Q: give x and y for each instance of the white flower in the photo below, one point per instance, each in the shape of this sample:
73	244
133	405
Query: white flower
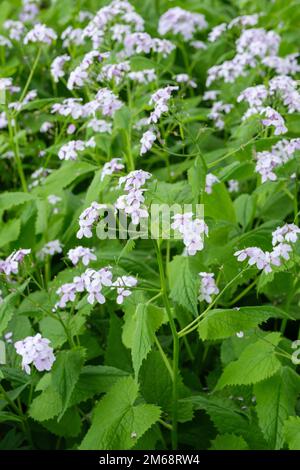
40	33
35	350
56	68
83	253
233	186
182	22
273	118
147	140
286	233
88	218
123	285
192	232
11	264
46	126
208	287
210	180
99	125
51	248
114	166
185	78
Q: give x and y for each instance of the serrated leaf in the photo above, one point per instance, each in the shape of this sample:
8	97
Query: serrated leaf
222	323
65	375
256	363
184	284
292	432
275	402
139	331
9	200
10	231
118	423
95	380
68	426
7	306
229	442
47	405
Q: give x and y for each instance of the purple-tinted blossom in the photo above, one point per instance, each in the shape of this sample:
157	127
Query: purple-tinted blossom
35	350
57	66
210	180
11	264
181	22
50	249
123	286
88	218
208	287
86	255
113	166
40	33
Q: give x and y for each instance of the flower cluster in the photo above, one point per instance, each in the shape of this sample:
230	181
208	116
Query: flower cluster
88	218
11	264
123	285
192	232
40	33
282	238
114	72
35	350
79	76
251	46
239	21
143	76
280	153
114	166
181	22
92	283
208	287
57	66
70	150
50	249
132	202
210	180
217	112
86	255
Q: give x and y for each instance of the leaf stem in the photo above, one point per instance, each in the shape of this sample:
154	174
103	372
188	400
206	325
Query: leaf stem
175	337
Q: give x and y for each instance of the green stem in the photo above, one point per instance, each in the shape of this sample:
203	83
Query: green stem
194	324
13	140
175	337
25	89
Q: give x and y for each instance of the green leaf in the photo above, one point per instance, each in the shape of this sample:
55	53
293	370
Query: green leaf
65	175
116	355
275	402
256	363
68	426
184	283
222	323
94	380
7	306
292	432
229	442
140	331
218	204
118	423
47	405
196	178
65	374
245	209
10	231
54	331
9	200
